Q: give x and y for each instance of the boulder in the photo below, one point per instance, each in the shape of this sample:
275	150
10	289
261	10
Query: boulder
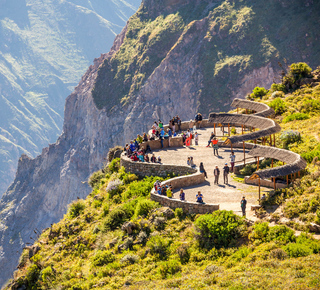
128	227
314	228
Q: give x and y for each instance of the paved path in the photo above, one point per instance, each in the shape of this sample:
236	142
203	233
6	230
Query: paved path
229	195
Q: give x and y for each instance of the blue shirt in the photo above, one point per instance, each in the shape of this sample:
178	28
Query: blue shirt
132	147
170	133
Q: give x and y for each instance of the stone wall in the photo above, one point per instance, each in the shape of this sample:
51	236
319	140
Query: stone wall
188	207
153	169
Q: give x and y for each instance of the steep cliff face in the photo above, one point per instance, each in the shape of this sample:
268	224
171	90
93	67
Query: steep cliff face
173	57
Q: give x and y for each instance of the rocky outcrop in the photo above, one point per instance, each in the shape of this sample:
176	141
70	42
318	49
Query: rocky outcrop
199	67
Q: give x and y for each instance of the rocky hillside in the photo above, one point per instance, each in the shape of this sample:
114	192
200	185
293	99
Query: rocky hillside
173	57
45	48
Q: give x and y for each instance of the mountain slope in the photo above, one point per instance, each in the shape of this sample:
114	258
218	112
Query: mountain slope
45	48
190	62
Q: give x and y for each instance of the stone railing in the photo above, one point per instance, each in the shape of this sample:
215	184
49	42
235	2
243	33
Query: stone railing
187	206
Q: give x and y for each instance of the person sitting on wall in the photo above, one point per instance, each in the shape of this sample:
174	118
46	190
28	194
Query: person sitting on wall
145	137
134	157
159	159
160	124
173	122
141	157
182	195
201	169
153	159
132	146
156	185
169	192
164	191
139	139
199	197
136	143
159	189
146	158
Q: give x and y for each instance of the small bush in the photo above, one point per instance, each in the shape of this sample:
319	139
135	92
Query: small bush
278	254
248	169
310	106
219	229
32	276
129	259
114	188
76	208
260	232
114	219
295	116
114	165
169	268
297	250
290	137
258	92
300	70
47	274
158	246
102	258
183	252
278	105
281	234
95	178
144	207
179	213
278	87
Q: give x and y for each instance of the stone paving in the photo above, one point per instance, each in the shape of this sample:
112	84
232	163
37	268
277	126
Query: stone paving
228	196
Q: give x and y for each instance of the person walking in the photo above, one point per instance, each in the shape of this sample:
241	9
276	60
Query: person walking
182	195
225	173
232	160
243	206
201	169
216	173
210	139
215	146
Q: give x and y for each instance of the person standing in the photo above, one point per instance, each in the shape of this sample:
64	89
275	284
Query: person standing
225	173
182	195
243	206
232	160
215	146
216	173
170	136
196	138
210	139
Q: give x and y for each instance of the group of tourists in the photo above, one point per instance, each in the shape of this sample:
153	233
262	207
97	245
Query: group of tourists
165	190
136	152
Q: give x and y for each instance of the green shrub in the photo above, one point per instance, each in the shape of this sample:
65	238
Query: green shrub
310	106
295	116
179	213
76	208
129	259
248	169
258	92
144	207
183	252
114	165
158	246
169	268
233	130
115	187
102	258
278	254
114	219
95	178
297	250
32	276
219	229
278	105
309	156
300	70
281	234
47	274
278	87
289	137
260	232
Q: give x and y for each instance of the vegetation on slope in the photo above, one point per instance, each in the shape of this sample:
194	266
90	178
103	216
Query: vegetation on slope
119	238
296	101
